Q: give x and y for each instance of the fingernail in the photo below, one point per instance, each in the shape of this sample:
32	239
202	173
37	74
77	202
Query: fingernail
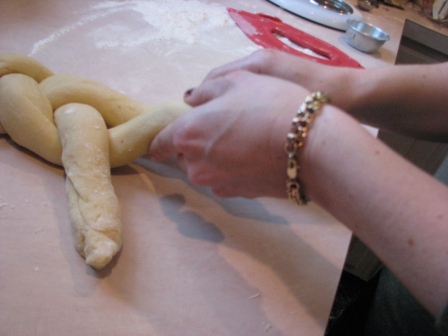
188	93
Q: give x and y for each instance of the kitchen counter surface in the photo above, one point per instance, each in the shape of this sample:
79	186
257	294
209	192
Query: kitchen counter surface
192	264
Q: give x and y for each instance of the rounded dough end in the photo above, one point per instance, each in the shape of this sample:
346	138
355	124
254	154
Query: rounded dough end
101	250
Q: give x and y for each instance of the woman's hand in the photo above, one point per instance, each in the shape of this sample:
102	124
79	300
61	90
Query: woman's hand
232	140
333	80
273	63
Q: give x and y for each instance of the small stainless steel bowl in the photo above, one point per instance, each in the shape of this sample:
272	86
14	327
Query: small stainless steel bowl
366	5
365	37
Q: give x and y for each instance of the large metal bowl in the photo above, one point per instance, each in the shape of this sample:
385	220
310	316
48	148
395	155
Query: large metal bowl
365	37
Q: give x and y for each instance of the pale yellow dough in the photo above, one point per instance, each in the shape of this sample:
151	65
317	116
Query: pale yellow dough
86	127
14	63
93	205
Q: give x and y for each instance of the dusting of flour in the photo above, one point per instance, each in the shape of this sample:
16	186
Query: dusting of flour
4	204
158	46
186	22
39	45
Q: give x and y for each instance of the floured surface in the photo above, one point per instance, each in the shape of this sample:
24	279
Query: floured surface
191	264
152	50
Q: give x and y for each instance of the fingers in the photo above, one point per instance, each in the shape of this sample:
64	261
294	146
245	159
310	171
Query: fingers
266	62
245	63
166	142
217	141
273	63
162	146
207	91
256	62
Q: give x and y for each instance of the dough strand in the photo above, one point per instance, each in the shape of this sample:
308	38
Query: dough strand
93	206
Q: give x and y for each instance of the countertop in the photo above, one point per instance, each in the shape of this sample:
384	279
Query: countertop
192	264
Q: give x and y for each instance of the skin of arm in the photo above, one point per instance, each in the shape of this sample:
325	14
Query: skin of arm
392	98
399	211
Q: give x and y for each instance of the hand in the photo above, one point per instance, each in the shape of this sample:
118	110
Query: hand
273	63
232	140
311	75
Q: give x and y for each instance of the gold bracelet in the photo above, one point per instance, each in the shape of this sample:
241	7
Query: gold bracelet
294	141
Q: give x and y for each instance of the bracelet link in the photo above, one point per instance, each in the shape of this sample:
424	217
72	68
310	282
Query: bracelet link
292	168
294	141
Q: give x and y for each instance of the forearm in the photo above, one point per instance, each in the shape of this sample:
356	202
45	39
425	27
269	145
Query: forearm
411	100
397	210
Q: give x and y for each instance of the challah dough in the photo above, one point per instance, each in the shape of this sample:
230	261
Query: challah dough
87	128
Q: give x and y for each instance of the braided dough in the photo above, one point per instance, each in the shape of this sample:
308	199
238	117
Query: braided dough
87	128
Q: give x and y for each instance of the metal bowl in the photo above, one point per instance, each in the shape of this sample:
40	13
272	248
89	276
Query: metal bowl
366	5
365	37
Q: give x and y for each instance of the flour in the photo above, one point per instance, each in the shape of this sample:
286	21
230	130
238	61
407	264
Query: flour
141	46
38	46
184	21
112	24
4	204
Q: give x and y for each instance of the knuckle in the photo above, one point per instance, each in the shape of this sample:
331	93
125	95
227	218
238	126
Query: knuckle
185	138
265	58
213	74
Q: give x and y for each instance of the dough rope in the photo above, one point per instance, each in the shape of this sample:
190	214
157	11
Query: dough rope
87	128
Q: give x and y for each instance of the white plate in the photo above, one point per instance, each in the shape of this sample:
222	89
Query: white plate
314	11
